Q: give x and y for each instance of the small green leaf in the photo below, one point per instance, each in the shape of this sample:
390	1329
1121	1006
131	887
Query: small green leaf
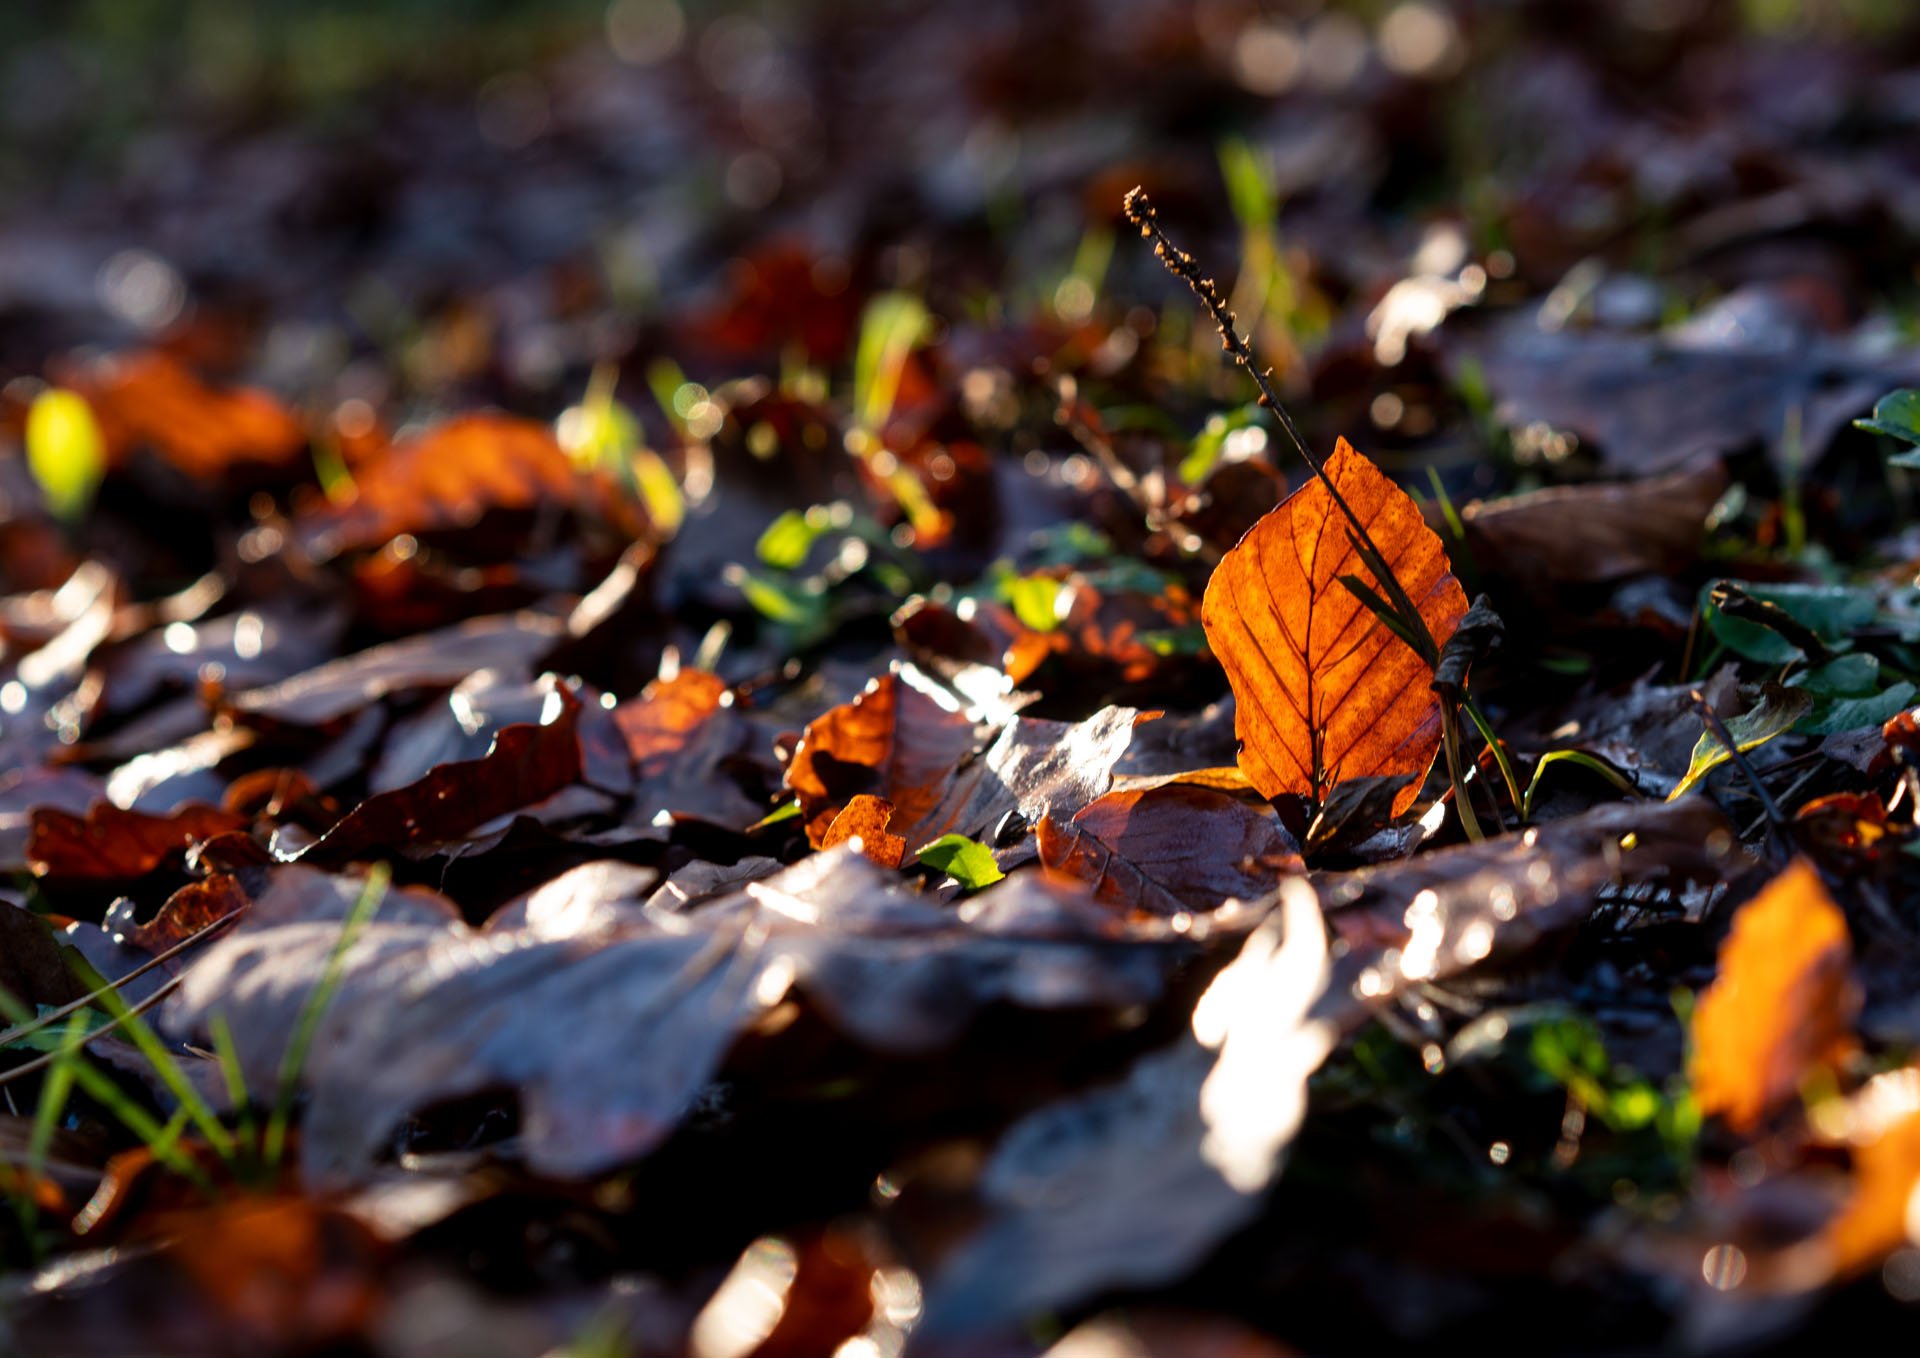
1832	716
894	322
790	537
967	861
666	505
1847	676
65	451
777	601
1775	715
787	812
1035	600
1897	415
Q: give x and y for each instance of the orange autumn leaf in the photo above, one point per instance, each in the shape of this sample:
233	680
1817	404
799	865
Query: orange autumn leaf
663	721
864	823
1781	1005
446	478
1324	691
892	741
1874	1221
152	399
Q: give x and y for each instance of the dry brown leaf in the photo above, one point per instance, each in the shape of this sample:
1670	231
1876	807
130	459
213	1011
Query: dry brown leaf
863	823
1171	849
1599	531
1781	1005
1324	691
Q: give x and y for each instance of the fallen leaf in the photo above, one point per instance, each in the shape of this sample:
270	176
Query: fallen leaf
1782	1002
153	400
1324	691
1603	530
897	740
1134	1183
1778	710
1878	1215
526	764
115	847
608	1033
1439	913
1171	849
863	824
447	478
510	642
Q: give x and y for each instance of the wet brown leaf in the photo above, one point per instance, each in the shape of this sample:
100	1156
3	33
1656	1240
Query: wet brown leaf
1324	691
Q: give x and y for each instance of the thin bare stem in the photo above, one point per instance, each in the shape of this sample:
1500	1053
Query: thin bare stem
12	1035
1140	211
1775	819
126	1016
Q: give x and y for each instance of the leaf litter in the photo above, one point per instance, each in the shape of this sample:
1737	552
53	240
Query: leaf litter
926	813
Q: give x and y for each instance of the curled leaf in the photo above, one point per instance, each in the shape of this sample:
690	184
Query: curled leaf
863	824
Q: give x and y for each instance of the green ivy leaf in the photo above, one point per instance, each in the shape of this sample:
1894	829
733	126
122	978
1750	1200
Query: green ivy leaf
1850	714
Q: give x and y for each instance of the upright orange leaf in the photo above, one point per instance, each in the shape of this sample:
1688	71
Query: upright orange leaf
1781	1005
1324	691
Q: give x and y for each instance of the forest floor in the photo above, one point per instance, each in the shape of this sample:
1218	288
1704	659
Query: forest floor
661	695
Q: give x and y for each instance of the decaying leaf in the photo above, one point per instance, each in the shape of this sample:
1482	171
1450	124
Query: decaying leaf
1781	1005
1171	849
1774	715
1324	690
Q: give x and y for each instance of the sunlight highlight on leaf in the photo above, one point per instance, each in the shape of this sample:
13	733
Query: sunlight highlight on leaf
1325	692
